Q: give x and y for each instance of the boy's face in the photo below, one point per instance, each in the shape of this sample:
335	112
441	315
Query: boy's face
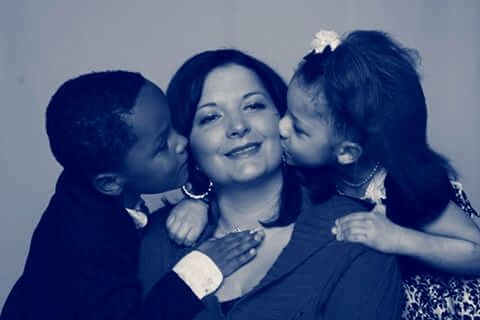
307	136
158	160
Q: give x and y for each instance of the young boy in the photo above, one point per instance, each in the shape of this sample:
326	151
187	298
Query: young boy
111	133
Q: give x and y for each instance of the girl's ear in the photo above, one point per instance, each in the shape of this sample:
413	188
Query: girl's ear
348	152
110	184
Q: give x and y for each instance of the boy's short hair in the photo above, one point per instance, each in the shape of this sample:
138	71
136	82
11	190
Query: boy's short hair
85	121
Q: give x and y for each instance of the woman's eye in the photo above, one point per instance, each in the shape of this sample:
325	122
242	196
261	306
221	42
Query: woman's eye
208	118
255	106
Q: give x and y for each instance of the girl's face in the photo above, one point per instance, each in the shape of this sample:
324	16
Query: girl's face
235	137
307	137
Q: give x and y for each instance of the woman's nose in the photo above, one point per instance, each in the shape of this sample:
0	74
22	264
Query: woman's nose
284	127
237	127
181	143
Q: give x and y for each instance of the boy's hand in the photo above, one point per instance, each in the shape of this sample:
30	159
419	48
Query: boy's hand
372	229
233	250
187	221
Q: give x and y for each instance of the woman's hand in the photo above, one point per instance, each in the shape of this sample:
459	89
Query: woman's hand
372	229
187	221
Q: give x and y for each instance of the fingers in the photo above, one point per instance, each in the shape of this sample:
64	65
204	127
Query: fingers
249	242
356	216
237	262
178	233
191	237
233	250
238	249
354	230
186	221
380	209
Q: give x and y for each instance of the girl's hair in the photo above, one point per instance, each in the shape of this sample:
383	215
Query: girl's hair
184	92
373	92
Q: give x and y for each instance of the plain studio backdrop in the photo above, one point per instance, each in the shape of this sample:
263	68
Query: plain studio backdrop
43	43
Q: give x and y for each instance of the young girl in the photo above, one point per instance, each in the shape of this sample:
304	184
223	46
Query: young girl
356	125
356	107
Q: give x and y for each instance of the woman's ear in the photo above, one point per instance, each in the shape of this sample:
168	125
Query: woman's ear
348	152
110	184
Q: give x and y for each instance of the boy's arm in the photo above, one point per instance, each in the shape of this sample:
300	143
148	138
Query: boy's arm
371	288
107	287
107	284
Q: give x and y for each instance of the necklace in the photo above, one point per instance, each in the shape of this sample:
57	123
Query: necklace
236	228
364	180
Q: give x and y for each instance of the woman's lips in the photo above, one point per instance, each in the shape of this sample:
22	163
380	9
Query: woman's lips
244	151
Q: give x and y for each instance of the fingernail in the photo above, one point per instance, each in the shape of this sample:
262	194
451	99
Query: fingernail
256	230
258	236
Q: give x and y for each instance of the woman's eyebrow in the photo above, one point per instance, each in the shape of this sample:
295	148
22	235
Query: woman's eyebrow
208	104
253	93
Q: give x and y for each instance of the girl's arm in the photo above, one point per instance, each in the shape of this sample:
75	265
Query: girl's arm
450	243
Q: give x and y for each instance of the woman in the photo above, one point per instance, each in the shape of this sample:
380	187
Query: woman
229	105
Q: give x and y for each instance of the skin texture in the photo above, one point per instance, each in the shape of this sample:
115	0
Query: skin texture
234	138
157	160
308	139
450	242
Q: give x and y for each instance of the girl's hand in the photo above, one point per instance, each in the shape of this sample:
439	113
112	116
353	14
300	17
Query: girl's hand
187	221
372	229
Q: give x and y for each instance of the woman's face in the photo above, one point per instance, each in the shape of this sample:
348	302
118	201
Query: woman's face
235	137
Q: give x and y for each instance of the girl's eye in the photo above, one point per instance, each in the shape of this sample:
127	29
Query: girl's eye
255	106
208	118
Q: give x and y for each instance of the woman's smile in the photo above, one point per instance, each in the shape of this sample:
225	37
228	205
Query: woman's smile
244	151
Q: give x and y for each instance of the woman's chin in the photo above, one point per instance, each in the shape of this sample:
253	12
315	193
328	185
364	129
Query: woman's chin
249	172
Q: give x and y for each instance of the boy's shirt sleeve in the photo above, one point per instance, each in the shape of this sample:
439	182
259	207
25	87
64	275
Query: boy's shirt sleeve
107	287
199	272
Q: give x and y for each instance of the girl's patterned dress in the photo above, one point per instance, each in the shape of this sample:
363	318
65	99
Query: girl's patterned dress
436	295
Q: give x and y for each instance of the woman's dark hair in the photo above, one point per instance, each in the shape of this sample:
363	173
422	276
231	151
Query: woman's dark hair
184	92
372	88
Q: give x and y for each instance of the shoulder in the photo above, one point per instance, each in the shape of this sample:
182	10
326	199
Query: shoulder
335	207
157	252
79	229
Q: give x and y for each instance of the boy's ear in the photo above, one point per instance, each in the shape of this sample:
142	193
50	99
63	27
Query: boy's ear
348	152
109	183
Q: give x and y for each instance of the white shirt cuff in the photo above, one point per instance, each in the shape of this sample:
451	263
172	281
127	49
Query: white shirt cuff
199	272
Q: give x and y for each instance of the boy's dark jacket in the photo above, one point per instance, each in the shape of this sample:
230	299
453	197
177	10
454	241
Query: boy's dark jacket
83	264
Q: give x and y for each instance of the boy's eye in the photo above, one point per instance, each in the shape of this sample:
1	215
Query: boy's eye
299	130
208	118
161	146
255	106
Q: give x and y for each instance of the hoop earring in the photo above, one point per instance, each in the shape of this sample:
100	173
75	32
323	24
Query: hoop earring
202	196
